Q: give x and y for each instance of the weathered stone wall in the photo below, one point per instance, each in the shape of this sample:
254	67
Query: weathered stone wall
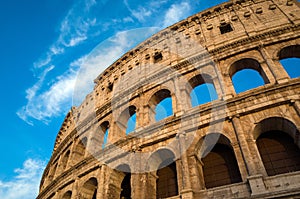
256	33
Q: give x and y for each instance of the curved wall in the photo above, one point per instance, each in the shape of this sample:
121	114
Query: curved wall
95	157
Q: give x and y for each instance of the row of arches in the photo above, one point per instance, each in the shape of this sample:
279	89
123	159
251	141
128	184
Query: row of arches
277	143
201	89
245	74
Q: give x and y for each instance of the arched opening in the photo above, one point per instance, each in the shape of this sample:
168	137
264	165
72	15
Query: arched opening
79	151
290	60
64	161
67	195
219	163
220	167
89	189
278	152
202	90
127	120
52	172
125	174
126	187
247	74
163	163
131	124
104	128
161	105
166	184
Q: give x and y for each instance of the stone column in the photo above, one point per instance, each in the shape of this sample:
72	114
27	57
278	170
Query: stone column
186	188
240	160
184	99
175	110
196	173
137	188
242	143
277	70
218	82
218	87
75	189
260	169
149	185
101	181
224	81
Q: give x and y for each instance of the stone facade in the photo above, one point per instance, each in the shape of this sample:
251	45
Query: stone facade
208	47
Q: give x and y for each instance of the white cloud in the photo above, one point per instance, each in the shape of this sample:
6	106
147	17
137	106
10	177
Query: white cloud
143	9
25	184
74	29
176	12
141	13
128	19
52	102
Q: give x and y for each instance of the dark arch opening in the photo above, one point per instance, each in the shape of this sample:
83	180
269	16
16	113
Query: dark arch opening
220	167
289	58
247	74
52	172
278	152
79	151
163	163
65	160
166	183
89	189
104	128
126	182
67	195
202	90
161	105
126	187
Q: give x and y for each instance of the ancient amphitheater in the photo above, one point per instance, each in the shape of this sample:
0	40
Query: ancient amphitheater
233	145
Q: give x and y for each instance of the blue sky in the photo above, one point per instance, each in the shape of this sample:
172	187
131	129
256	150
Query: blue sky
43	44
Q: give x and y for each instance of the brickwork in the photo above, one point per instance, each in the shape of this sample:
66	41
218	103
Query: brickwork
208	47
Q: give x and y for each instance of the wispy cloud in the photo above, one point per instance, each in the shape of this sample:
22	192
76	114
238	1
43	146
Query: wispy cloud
74	30
52	94
141	10
176	12
25	184
43	105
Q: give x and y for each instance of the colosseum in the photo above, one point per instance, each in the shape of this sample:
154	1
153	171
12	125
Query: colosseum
145	133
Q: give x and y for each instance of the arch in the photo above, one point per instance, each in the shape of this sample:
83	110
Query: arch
289	52
158	159
52	172
65	160
125	184
89	189
244	70
289	58
79	151
166	183
104	131
278	152
275	124
201	90
219	162
67	195
127	120
160	105
278	145
163	162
